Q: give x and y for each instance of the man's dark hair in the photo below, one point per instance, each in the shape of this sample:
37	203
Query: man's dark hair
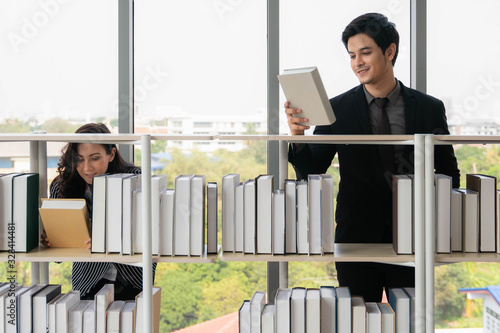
378	27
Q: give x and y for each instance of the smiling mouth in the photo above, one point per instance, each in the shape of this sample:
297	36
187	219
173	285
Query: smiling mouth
362	71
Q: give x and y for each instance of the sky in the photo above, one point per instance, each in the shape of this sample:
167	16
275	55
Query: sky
60	57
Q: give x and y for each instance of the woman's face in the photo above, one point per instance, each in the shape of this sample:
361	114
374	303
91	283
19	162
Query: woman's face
92	160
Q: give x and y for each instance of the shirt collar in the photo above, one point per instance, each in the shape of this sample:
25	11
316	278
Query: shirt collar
393	96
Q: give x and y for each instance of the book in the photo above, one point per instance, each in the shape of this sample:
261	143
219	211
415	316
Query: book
127	317
89	318
358	314
6	184
102	299
25	195
402	217
278	222
63	305
51	313
470	215
238	218
244	317
212	217
388	318
113	316
158	184
130	184
373	318
197	223
290	216
328	308
182	215
167	222
40	301
11	307
264	190
327	214
66	222
249	216
304	90
410	291
282	308
302	218
442	185
400	303
314	204
256	307
313	311
26	309
228	183
344	310
114	212
267	318
137	221
457	220
485	186
98	244
75	316
298	310
139	314
498	221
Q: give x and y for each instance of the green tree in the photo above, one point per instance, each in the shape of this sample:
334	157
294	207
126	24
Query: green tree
59	125
15	126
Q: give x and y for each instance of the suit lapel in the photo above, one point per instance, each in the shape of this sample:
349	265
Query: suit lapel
361	110
410	109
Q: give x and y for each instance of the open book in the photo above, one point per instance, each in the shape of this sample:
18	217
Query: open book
66	222
304	90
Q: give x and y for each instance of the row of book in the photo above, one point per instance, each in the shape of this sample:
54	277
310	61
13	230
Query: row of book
467	220
43	308
327	309
298	219
177	215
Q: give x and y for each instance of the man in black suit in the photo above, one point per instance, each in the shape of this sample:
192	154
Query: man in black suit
364	201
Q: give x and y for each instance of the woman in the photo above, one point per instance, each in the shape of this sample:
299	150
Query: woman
79	163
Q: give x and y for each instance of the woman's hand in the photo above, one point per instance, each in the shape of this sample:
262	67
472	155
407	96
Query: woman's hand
44	239
89	242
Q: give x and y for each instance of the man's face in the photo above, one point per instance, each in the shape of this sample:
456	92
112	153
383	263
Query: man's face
368	62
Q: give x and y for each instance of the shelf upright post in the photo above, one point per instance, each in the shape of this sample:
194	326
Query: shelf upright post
429	231
419	185
283	175
147	277
42	171
35	167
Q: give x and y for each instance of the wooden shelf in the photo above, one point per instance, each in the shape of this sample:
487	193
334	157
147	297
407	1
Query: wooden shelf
343	252
467	257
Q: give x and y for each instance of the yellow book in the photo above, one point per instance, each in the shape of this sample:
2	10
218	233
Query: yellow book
66	222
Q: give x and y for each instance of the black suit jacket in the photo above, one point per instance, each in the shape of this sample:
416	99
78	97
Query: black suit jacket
364	200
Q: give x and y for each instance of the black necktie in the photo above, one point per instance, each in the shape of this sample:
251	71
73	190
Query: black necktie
383	127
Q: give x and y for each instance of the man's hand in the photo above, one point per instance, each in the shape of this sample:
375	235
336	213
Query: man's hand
293	118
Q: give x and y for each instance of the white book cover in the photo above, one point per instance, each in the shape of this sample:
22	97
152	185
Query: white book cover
457	225
158	184
298	310
238	218
402	227
114	212
40	301
98	244
328	309
314	203
6	184
442	185
388	318
62	310
130	184
256	307
282	302
137	221
470	213
127	317
25	308
11	307
113	316
89	318
411	293
212	217
228	183
290	216
102	299
264	188
313	311
278	222
139	313
373	318
3	305
244	317
267	319
498	221
25	216
344	310
75	316
327	214
182	215
358	314
486	188
249	218
400	303
302	218
197	225
167	222
51	314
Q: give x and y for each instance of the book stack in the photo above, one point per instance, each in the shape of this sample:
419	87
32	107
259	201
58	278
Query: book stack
259	220
43	308
178	216
327	309
467	220
19	212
